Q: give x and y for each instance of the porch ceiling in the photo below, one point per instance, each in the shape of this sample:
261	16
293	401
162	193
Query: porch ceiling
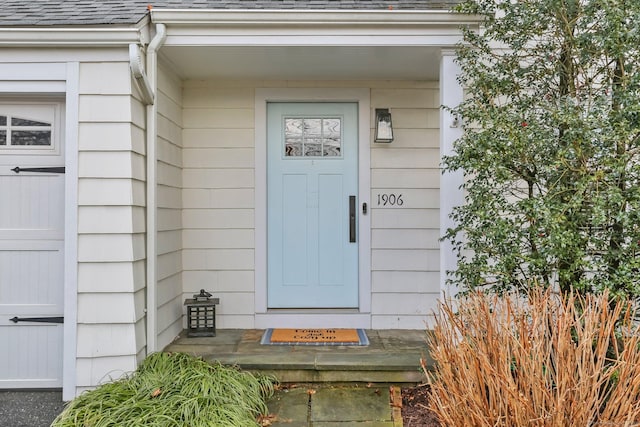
304	62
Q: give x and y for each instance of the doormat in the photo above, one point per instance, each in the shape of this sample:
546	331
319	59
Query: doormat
314	337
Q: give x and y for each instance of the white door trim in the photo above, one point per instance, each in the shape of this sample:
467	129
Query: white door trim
72	101
360	318
451	192
43	81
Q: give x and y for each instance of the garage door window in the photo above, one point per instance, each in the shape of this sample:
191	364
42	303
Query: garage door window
30	129
22	131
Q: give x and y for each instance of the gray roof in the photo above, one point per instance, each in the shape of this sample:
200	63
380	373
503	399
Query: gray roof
100	12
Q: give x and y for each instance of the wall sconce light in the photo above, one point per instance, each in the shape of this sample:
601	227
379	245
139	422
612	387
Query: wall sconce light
384	129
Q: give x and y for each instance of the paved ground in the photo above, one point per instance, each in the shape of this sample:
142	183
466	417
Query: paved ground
333	405
29	408
299	405
348	385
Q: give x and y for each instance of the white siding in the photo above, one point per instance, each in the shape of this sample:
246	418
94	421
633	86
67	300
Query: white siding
218	199
169	206
111	225
404	239
104	369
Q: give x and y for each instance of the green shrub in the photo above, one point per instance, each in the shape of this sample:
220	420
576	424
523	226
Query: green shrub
540	360
173	389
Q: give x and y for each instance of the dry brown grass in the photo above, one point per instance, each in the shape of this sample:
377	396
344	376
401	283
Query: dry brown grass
536	361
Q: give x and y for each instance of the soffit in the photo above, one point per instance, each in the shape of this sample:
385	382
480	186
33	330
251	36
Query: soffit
304	62
314	45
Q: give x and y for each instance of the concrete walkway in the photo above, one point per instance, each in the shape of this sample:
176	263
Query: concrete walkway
298	405
325	386
335	405
322	386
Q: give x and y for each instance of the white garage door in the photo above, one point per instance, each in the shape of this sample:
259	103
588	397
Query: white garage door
31	245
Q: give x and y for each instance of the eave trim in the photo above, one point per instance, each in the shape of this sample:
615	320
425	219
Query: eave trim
287	18
69	37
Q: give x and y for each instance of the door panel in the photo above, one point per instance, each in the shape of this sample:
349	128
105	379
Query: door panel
331	238
31	282
31	250
312	170
32	356
294	230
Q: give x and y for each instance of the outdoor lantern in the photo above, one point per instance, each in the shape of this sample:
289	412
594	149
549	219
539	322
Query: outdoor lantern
201	315
384	129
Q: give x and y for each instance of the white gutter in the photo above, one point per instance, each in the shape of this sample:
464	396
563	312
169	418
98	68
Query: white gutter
152	247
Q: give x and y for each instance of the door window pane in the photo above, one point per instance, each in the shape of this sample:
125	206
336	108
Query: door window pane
293	148
312	128
17	121
31	137
3	120
312	150
331	146
312	137
3	137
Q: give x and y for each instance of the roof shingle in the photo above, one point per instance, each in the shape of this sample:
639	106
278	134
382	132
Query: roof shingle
103	12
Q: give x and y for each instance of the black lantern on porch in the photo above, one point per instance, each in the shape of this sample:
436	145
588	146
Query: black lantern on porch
201	315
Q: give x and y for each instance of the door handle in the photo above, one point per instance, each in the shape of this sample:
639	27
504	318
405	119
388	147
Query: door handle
17	319
18	169
352	219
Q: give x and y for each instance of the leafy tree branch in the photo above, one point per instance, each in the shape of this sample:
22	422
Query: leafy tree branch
551	146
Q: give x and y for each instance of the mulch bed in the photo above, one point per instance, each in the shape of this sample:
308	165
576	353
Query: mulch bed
415	407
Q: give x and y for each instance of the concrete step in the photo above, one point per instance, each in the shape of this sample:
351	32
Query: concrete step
330	367
392	356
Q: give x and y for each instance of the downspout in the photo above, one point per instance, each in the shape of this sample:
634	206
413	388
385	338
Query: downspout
151	227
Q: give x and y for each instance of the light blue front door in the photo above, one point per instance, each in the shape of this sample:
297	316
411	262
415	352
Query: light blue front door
312	182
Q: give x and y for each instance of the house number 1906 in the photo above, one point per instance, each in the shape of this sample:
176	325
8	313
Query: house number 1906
390	199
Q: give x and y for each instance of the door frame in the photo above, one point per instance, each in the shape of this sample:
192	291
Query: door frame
58	82
313	318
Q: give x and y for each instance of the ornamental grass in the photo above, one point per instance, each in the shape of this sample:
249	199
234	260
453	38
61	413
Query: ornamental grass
540	360
173	389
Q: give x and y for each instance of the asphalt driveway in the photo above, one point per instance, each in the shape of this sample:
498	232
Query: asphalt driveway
29	408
